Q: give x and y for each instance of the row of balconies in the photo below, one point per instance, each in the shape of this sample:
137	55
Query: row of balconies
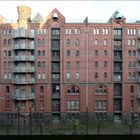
24	81
24	46
22	33
24	69
24	58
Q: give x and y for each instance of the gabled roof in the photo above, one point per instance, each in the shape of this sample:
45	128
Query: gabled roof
116	14
58	13
38	18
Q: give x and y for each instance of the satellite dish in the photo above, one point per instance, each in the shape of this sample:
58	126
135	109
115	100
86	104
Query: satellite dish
55	16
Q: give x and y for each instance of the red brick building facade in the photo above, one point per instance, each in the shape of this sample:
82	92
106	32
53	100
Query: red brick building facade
58	71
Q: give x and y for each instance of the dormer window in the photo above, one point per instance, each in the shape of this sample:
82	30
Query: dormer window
55	16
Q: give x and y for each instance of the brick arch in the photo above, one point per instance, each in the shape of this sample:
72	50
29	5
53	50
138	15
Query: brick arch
100	86
72	88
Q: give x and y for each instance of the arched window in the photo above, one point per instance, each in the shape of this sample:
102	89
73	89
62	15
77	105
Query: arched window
7	31
38	42
105	42
77	42
39	76
77	54
96	74
129	53
5	43
96	42
101	89
68	42
105	75
133	42
129	42
106	31
129	75
39	64
73	90
9	42
43	64
43	53
39	53
128	31
5	53
43	42
131	89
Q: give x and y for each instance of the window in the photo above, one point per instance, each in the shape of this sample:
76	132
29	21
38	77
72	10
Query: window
38	42
10	76
95	42
105	64
43	42
77	64
134	53
43	76
68	53
77	31
77	76
39	64
131	89
68	65
129	75
105	42
43	53
105	75
134	76
105	53
73	90
129	64
5	53
9	53
41	89
68	76
96	75
67	31
129	53
5	43
9	42
96	31
77	54
129	42
96	53
68	42
5	64
128	31
73	105
77	42
96	64
134	64
7	89
5	76
101	104
39	76
43	64
39	53
133	42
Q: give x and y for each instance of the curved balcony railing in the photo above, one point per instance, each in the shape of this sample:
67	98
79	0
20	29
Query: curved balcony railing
30	97
24	58
24	47
17	81
24	69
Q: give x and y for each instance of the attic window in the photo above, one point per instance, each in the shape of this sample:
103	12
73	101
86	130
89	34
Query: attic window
55	16
118	16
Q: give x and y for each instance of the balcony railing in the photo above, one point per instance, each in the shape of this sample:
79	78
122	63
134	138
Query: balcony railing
117	48
55	36
24	47
55	58
117	69
23	34
55	80
24	58
32	81
119	37
22	70
56	109
55	95
31	97
117	59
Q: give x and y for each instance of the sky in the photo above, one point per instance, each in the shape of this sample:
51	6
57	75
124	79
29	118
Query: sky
74	9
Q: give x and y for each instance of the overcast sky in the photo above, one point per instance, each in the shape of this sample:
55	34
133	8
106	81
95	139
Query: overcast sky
74	9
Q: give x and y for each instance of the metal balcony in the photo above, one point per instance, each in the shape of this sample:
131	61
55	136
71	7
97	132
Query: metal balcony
24	70
118	59
55	36
118	37
55	80
56	109
31	97
117	48
118	69
32	81
23	34
23	47
24	58
55	58
56	95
